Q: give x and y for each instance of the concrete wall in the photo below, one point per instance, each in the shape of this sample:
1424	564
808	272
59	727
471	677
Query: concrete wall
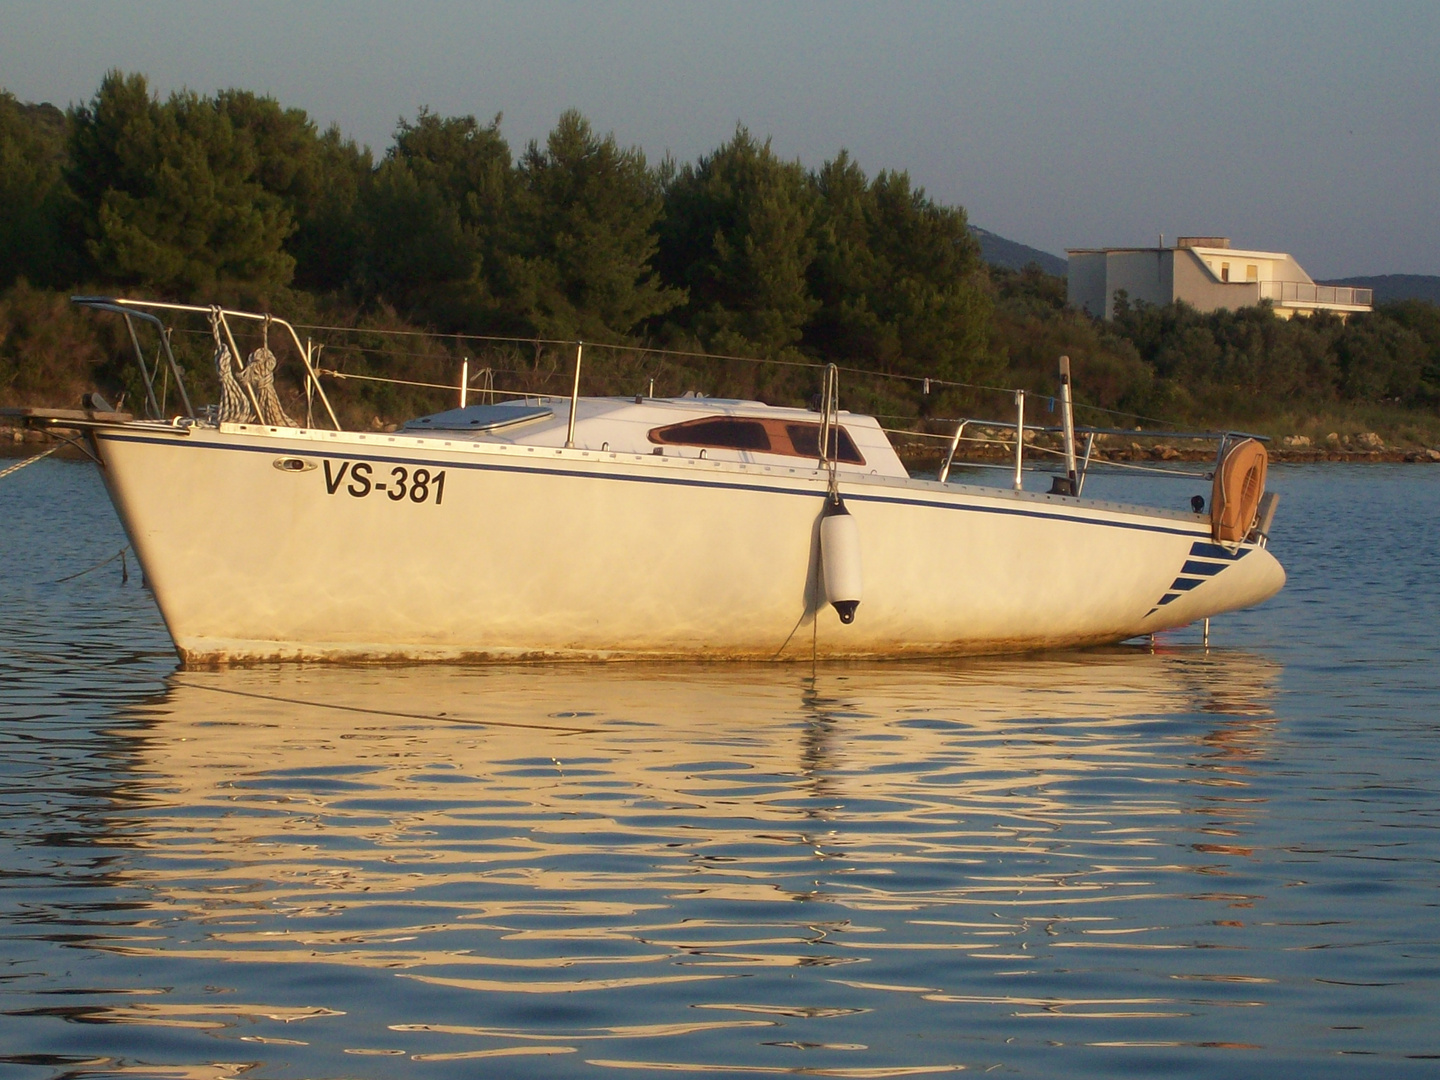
1269	265
1289	270
1202	290
1085	282
1095	276
1145	275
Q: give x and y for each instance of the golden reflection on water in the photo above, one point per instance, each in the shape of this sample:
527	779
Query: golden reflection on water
657	835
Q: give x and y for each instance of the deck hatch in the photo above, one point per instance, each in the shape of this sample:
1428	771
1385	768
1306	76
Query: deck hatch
481	418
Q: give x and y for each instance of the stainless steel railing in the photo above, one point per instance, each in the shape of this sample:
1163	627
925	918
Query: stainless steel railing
1305	292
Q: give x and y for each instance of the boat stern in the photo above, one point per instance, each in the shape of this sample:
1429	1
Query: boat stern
1215	579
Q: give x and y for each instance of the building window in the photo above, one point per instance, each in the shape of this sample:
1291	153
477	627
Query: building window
1252	273
1224	271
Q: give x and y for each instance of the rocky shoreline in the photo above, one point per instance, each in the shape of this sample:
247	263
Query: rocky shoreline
12	436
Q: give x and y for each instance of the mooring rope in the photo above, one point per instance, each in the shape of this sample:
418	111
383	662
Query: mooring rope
259	375
28	461
124	568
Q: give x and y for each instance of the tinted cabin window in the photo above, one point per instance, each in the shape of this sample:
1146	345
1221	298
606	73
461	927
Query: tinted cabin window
723	432
806	440
769	435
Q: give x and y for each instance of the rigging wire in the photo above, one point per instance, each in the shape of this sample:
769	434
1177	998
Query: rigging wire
344	375
532	342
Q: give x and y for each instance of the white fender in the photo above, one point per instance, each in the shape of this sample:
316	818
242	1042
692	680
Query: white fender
840	559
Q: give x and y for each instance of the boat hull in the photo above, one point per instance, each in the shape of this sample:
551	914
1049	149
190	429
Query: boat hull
268	544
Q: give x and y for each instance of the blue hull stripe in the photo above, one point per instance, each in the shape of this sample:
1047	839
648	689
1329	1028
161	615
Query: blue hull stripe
1203	569
1215	551
1198	569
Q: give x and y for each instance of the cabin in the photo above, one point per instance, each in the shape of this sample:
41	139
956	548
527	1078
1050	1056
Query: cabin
1206	273
690	426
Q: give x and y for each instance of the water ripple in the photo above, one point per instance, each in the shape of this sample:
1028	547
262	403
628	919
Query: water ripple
1189	861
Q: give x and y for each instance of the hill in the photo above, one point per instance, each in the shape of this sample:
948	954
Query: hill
1011	255
1390	287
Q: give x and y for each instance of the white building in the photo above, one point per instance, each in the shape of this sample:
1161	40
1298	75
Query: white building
1206	273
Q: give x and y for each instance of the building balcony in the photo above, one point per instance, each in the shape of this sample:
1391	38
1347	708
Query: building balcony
1308	296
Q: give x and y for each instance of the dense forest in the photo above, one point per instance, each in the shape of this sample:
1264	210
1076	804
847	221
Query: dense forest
234	198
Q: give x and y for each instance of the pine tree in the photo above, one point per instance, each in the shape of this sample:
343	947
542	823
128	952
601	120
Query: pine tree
435	222
415	250
317	177
898	277
327	239
33	244
171	196
586	228
736	235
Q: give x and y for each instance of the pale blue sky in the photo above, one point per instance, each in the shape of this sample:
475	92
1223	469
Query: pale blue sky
1309	128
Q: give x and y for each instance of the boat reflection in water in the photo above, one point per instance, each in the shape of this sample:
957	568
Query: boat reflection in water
753	868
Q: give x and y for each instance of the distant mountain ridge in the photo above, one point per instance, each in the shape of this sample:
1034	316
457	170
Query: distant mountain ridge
1012	255
1391	287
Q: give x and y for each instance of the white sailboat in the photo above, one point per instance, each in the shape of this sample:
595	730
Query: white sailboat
629	528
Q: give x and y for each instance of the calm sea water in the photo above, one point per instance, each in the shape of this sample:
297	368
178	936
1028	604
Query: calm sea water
1220	863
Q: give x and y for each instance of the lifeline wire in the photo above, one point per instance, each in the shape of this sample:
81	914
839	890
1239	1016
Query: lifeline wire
919	380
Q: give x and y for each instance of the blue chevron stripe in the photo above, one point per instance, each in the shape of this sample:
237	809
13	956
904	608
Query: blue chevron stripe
1205	561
